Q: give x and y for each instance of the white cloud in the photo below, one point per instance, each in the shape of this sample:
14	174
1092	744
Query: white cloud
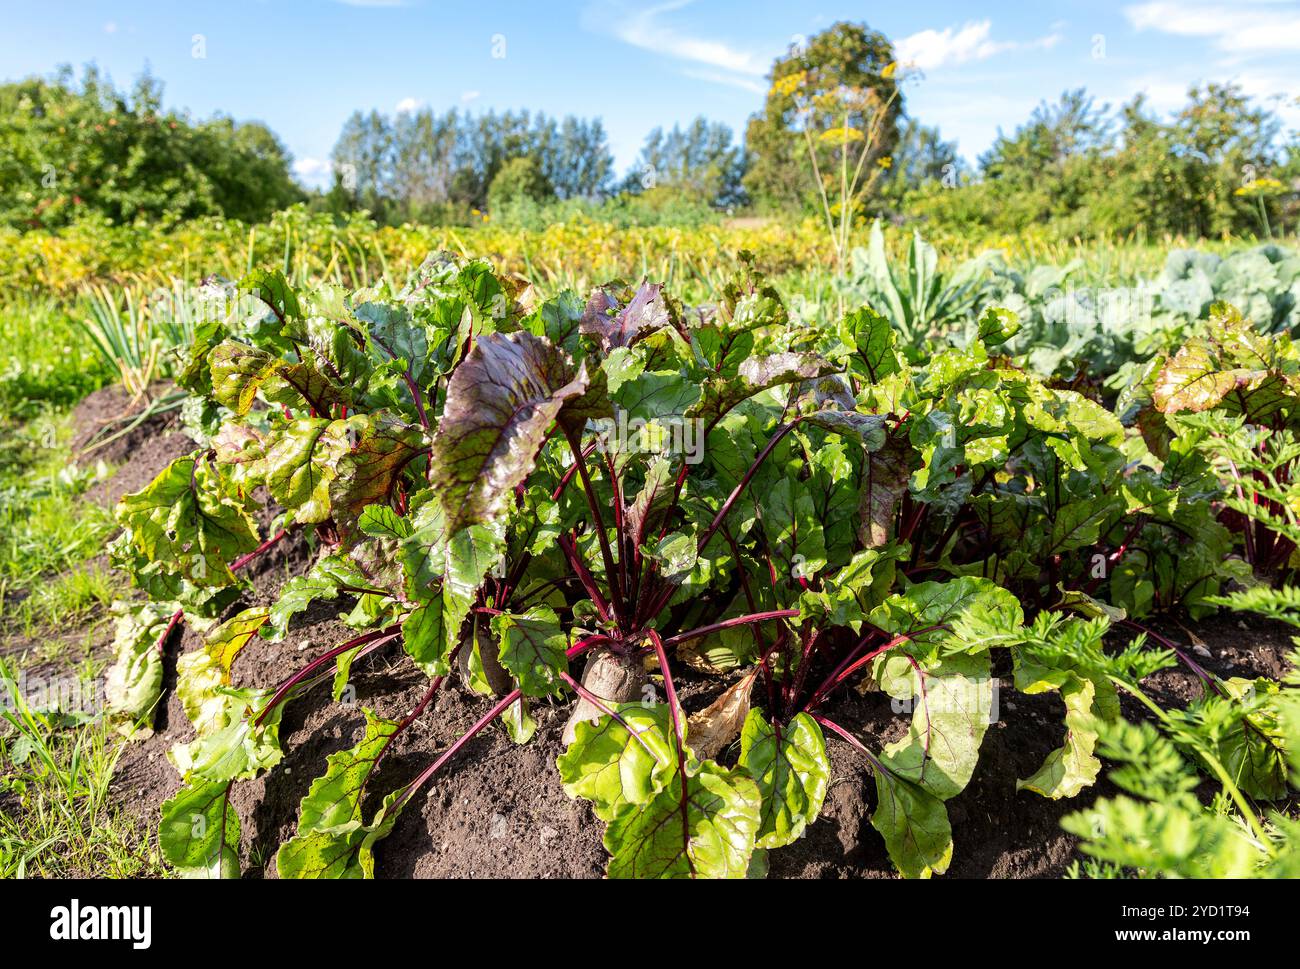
409	104
110	27
372	3
931	49
709	58
467	96
313	172
1235	28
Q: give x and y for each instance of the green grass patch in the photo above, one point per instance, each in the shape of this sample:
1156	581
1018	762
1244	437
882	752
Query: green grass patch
56	819
47	536
45	357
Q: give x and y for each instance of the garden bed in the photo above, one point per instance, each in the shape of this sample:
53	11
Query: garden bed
500	810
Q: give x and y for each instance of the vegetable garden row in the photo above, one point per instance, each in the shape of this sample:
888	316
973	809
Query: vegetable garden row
582	499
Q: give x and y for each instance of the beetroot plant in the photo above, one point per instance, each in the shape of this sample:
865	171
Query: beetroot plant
500	487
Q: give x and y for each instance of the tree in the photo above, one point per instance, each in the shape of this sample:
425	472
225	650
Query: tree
363	160
700	161
519	178
1072	127
1216	166
920	156
842	76
424	166
69	149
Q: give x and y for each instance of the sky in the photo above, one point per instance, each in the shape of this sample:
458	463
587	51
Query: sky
302	66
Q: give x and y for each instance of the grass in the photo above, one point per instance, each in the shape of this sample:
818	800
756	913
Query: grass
45	357
56	819
47	536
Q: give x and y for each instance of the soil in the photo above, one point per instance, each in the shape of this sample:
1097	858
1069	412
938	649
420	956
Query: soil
498	809
102	431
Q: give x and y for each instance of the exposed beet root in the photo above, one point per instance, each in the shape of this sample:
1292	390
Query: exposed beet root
615	678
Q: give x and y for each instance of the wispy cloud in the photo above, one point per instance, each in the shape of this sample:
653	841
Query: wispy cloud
710	59
1238	28
409	104
373	3
721	77
932	49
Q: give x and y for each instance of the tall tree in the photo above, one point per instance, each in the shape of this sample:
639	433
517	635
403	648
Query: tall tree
842	77
700	161
921	155
426	166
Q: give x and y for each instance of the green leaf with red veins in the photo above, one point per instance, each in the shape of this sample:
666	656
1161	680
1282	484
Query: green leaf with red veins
558	319
199	831
794	532
997	326
334	798
788	762
656	395
620	762
702	826
301	461
300	385
873	345
393	337
369	473
914	824
443	576
270	286
753	376
1251	374
532	649
645	513
191	521
951	701
342	851
501	401
237	746
220	649
238	373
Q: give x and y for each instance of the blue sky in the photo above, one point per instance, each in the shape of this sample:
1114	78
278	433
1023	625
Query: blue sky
303	65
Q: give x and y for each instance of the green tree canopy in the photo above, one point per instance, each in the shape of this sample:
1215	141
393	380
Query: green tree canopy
426	165
68	150
700	161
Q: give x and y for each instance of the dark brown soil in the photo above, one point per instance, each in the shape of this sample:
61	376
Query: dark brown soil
998	832
140	453
499	810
